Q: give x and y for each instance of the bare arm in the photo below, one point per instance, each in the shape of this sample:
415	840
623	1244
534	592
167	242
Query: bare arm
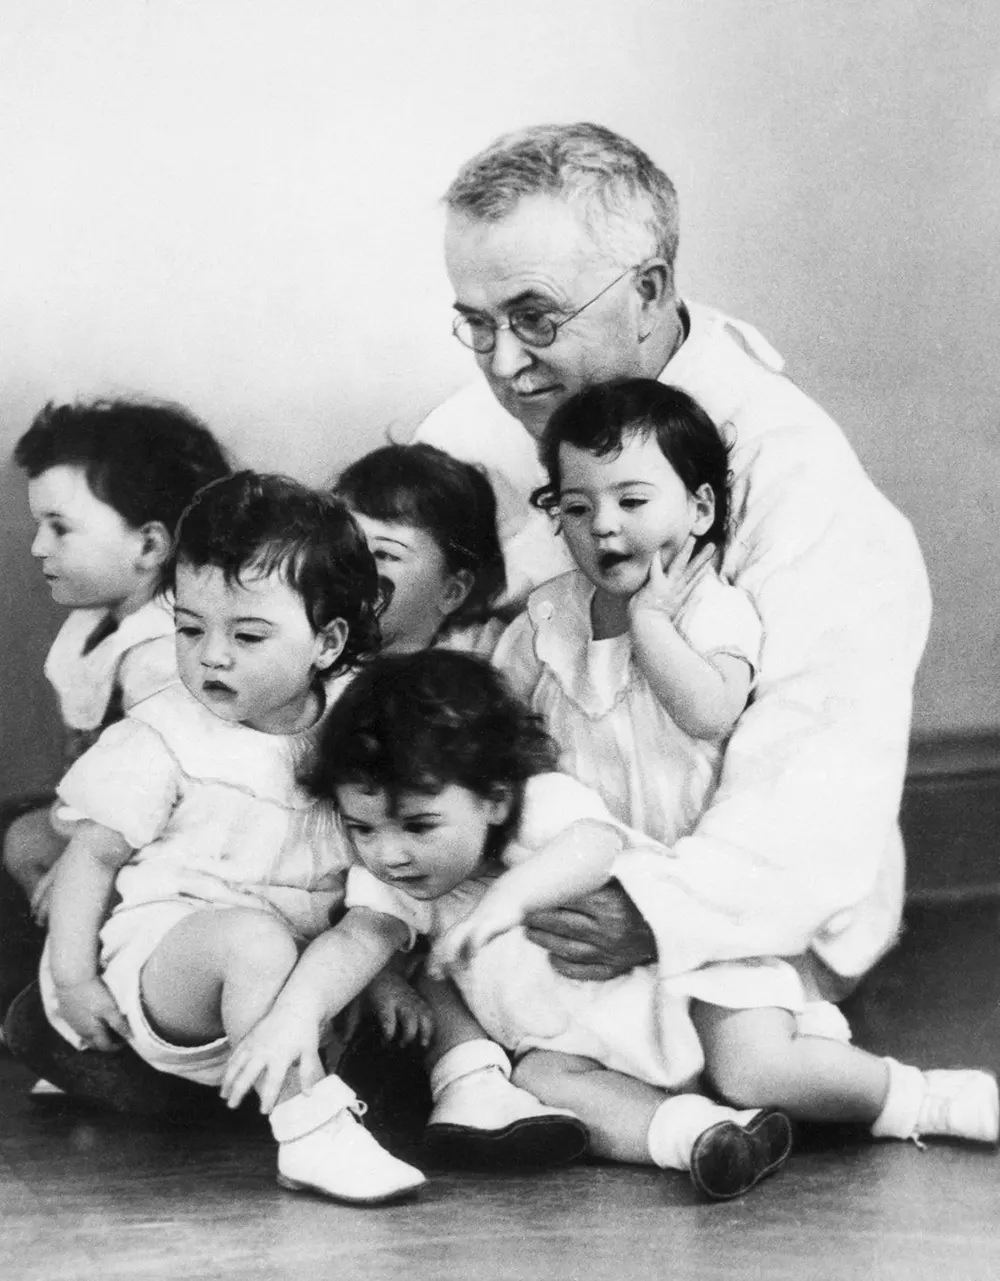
576	862
81	896
704	696
331	972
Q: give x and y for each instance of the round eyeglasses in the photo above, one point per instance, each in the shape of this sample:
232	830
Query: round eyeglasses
535	328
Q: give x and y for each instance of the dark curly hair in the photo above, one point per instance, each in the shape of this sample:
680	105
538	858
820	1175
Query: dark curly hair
421	722
451	500
146	459
251	523
602	418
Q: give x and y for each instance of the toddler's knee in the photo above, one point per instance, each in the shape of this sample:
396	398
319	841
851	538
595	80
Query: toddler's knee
540	1072
19	853
746	1081
255	939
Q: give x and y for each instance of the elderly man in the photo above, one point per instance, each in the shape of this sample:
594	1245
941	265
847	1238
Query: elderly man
560	245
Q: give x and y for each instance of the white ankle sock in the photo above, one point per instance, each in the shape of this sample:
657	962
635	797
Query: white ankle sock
678	1122
901	1109
464	1059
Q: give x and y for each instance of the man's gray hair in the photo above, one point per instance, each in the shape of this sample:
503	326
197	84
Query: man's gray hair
628	205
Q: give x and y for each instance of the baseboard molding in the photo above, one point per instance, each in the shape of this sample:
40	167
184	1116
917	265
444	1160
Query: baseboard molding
950	755
951	819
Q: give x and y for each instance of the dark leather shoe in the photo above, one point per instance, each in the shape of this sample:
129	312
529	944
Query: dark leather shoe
728	1159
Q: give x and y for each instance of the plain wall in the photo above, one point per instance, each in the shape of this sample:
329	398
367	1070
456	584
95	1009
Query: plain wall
234	203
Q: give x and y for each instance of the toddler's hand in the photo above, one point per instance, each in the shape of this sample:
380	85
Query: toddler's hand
666	591
495	915
266	1055
402	1013
92	1012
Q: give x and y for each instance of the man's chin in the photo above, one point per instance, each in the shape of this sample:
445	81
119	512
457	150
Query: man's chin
532	412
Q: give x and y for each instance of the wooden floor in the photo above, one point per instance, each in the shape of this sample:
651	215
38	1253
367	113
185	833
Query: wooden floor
90	1195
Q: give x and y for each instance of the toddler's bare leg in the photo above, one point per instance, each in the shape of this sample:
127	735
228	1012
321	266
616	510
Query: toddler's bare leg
217	973
755	1058
616	1109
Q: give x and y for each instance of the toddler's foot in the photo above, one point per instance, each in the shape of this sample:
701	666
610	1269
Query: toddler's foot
957	1104
481	1120
960	1104
727	1152
323	1147
730	1157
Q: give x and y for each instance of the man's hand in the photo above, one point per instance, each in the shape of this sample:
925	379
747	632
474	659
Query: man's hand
598	937
92	1012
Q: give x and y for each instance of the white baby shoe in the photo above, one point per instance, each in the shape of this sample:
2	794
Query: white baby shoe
482	1121
323	1147
947	1103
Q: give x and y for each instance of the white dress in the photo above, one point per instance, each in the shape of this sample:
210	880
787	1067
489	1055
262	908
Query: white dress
217	818
637	1024
613	732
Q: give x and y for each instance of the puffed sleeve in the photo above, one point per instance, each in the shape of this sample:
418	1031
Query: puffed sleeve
365	890
128	781
553	802
515	656
723	620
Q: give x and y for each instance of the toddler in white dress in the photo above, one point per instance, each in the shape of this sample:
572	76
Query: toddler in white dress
641	661
192	812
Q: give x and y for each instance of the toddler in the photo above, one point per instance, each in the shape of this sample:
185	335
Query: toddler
430	521
642	660
191	812
443	779
107	483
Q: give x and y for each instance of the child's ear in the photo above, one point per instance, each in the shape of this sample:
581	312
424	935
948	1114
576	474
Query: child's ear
502	802
456	591
330	642
703	500
156	545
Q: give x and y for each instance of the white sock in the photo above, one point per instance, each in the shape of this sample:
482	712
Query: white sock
677	1124
901	1109
464	1059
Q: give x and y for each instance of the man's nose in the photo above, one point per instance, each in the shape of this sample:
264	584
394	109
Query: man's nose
510	355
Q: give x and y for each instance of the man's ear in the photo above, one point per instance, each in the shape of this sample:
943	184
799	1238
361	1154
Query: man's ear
703	500
456	591
654	283
331	640
155	545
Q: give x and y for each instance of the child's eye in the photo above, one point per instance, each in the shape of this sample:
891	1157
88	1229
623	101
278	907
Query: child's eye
419	829
250	638
386	558
573	509
358	832
187	631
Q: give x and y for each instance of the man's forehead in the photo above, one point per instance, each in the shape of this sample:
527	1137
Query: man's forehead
542	243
